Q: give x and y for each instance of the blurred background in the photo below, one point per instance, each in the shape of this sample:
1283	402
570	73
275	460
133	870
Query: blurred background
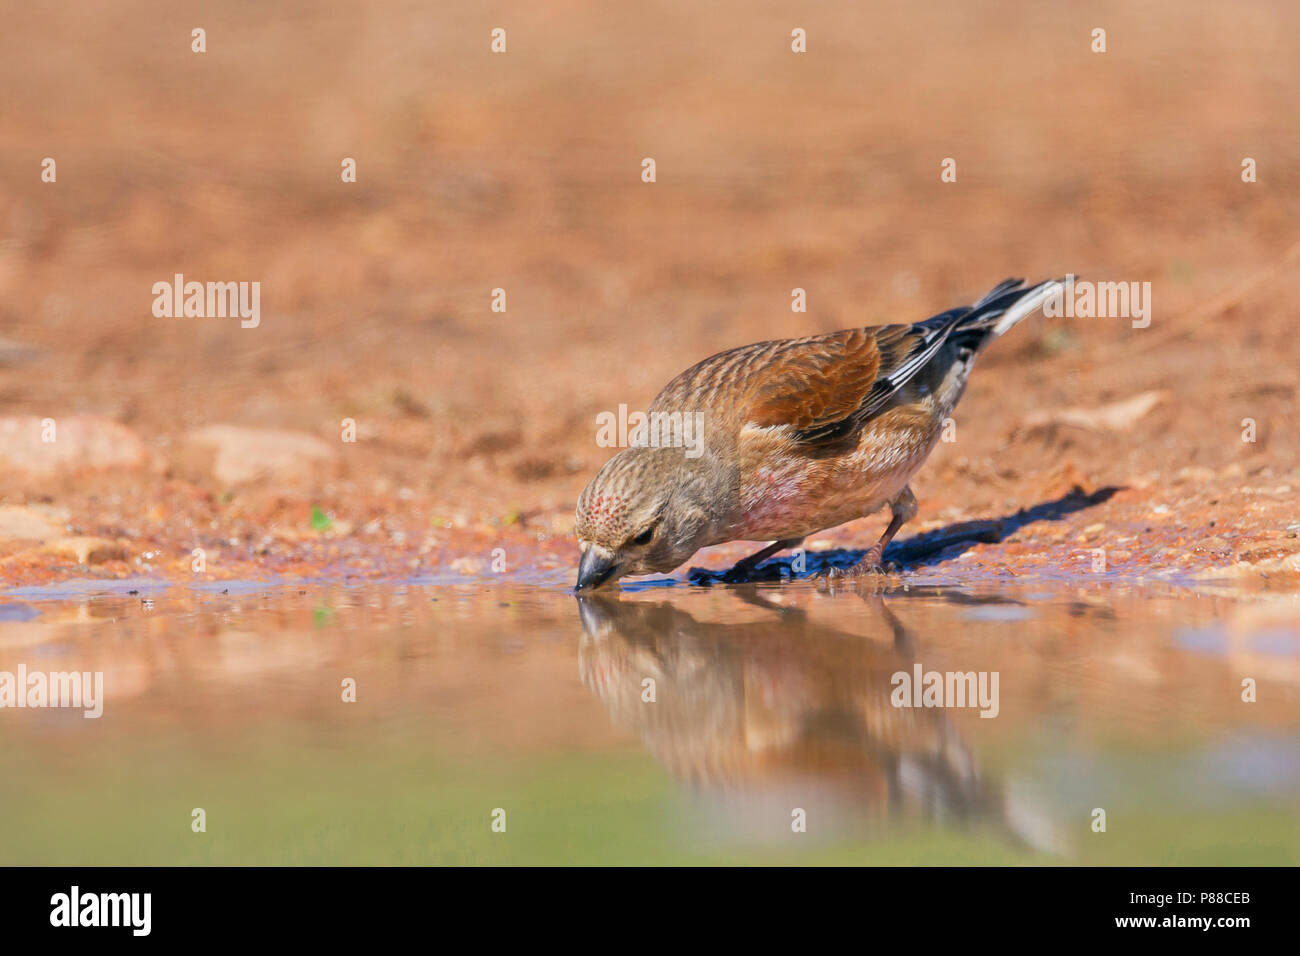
193	450
522	171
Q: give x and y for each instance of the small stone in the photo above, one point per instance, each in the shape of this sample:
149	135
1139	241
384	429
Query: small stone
468	565
87	550
235	455
16	353
26	523
49	446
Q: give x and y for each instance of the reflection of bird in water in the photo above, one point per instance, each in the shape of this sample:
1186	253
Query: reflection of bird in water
783	704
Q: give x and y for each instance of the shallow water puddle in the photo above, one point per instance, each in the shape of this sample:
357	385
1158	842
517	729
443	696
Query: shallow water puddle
924	724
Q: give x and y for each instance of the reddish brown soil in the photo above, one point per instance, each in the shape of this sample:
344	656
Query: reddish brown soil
522	171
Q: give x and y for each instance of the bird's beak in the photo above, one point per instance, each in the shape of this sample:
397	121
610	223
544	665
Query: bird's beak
596	567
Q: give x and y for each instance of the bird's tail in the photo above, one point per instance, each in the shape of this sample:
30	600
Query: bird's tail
1005	304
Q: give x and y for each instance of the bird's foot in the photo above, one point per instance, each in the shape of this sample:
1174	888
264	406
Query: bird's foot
753	574
869	566
736	575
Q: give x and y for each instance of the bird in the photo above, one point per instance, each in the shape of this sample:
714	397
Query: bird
791	437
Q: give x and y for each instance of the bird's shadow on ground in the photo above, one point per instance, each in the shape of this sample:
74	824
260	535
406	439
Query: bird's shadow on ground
922	550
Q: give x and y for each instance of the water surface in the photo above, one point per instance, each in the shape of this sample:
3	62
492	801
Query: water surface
666	725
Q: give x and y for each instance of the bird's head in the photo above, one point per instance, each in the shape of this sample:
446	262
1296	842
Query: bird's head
647	511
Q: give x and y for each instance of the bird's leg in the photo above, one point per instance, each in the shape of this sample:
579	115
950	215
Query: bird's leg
902	510
742	568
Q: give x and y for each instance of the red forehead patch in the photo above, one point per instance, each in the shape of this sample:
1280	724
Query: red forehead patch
606	511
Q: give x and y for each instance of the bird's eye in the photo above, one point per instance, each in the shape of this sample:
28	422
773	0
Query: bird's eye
645	536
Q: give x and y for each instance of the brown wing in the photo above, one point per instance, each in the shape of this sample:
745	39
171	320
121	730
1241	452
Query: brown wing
820	387
813	383
824	387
